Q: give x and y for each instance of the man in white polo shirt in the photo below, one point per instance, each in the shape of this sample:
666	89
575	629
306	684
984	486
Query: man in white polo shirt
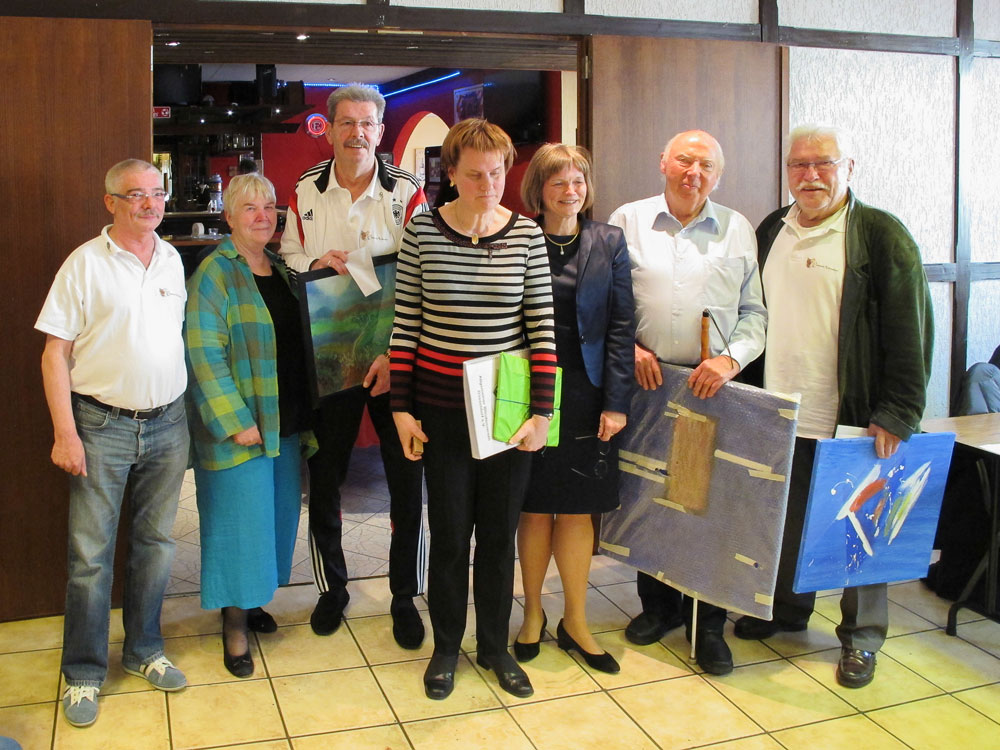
852	331
355	204
689	254
114	376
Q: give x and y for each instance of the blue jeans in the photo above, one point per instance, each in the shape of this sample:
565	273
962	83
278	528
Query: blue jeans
150	456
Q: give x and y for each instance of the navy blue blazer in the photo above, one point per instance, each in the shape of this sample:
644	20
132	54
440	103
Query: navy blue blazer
605	312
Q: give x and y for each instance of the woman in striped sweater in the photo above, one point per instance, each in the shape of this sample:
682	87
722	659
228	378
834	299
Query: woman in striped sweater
472	279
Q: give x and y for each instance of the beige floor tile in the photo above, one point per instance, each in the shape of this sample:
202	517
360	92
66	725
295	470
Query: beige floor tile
759	742
623	596
330	701
893	682
942	723
116	631
374	634
295	649
118	680
984	633
820	635
583	721
685	712
553	674
778	695
29	677
986	700
602	613
948	662
605	571
369	596
403	684
200	658
32	726
226	714
389	737
271	745
40	633
469	641
901	620
639	663
484	730
551	584
183	615
848	733
124	721
918	598
292	605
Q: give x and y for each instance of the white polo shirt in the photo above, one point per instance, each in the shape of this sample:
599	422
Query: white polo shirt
803	284
124	321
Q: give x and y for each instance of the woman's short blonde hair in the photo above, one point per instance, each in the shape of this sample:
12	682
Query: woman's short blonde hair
551	159
479	135
247	187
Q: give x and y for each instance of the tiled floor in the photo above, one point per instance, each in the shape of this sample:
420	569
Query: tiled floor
356	689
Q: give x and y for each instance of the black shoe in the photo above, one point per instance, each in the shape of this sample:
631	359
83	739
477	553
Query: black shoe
528	651
856	668
603	662
329	611
407	627
238	666
439	677
510	676
260	621
753	628
647	628
712	653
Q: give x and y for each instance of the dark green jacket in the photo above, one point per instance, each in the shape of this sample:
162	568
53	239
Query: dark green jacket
886	321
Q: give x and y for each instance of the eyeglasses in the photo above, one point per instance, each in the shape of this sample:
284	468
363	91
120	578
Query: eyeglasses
137	196
348	125
600	467
820	166
687	162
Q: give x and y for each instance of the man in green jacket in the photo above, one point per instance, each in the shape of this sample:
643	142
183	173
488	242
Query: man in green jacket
851	330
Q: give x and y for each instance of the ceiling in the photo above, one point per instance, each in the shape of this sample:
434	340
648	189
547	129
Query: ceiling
308	73
355	55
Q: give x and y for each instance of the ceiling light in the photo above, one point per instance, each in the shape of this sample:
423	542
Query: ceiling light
173	44
302	37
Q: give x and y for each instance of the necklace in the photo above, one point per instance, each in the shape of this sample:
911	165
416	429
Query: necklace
563	245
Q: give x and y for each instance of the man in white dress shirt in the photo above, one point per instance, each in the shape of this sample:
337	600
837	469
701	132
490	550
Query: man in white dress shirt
689	255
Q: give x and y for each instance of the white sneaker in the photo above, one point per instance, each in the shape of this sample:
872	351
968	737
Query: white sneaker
160	673
80	705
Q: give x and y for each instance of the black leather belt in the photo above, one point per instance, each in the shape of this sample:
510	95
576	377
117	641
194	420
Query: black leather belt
131	413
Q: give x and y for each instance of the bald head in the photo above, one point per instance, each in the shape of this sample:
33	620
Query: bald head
692	164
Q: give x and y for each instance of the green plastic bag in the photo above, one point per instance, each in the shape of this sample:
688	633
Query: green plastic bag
514	399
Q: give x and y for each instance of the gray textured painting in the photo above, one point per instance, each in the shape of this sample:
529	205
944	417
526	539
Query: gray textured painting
703	489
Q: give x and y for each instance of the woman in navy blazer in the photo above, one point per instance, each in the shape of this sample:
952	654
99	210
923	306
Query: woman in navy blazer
595	344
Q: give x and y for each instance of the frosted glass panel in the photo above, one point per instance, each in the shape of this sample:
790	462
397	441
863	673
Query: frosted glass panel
901	110
939	388
981	187
986	19
919	17
524	6
984	321
721	11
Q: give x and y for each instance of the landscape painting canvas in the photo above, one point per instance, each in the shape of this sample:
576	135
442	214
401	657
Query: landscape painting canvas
344	330
703	489
872	520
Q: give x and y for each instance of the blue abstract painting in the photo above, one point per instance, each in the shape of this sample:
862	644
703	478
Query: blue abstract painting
872	520
703	488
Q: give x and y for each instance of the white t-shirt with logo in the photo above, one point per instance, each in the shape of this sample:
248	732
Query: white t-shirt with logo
803	282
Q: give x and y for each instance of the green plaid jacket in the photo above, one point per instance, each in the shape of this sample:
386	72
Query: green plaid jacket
231	359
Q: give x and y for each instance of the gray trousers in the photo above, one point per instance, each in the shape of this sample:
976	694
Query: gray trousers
864	609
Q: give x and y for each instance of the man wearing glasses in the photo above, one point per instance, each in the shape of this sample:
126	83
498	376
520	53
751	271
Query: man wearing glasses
355	205
689	254
114	377
851	330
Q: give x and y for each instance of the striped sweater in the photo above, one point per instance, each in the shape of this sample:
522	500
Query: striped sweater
457	301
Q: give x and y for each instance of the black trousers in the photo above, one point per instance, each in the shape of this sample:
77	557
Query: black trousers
864	609
338	421
466	494
660	599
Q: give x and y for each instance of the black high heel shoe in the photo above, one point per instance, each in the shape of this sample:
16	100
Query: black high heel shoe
603	662
241	665
528	651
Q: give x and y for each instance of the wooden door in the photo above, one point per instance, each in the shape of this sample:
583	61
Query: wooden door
75	98
642	91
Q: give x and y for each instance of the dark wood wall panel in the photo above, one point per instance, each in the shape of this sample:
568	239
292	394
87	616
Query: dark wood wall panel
643	90
75	98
